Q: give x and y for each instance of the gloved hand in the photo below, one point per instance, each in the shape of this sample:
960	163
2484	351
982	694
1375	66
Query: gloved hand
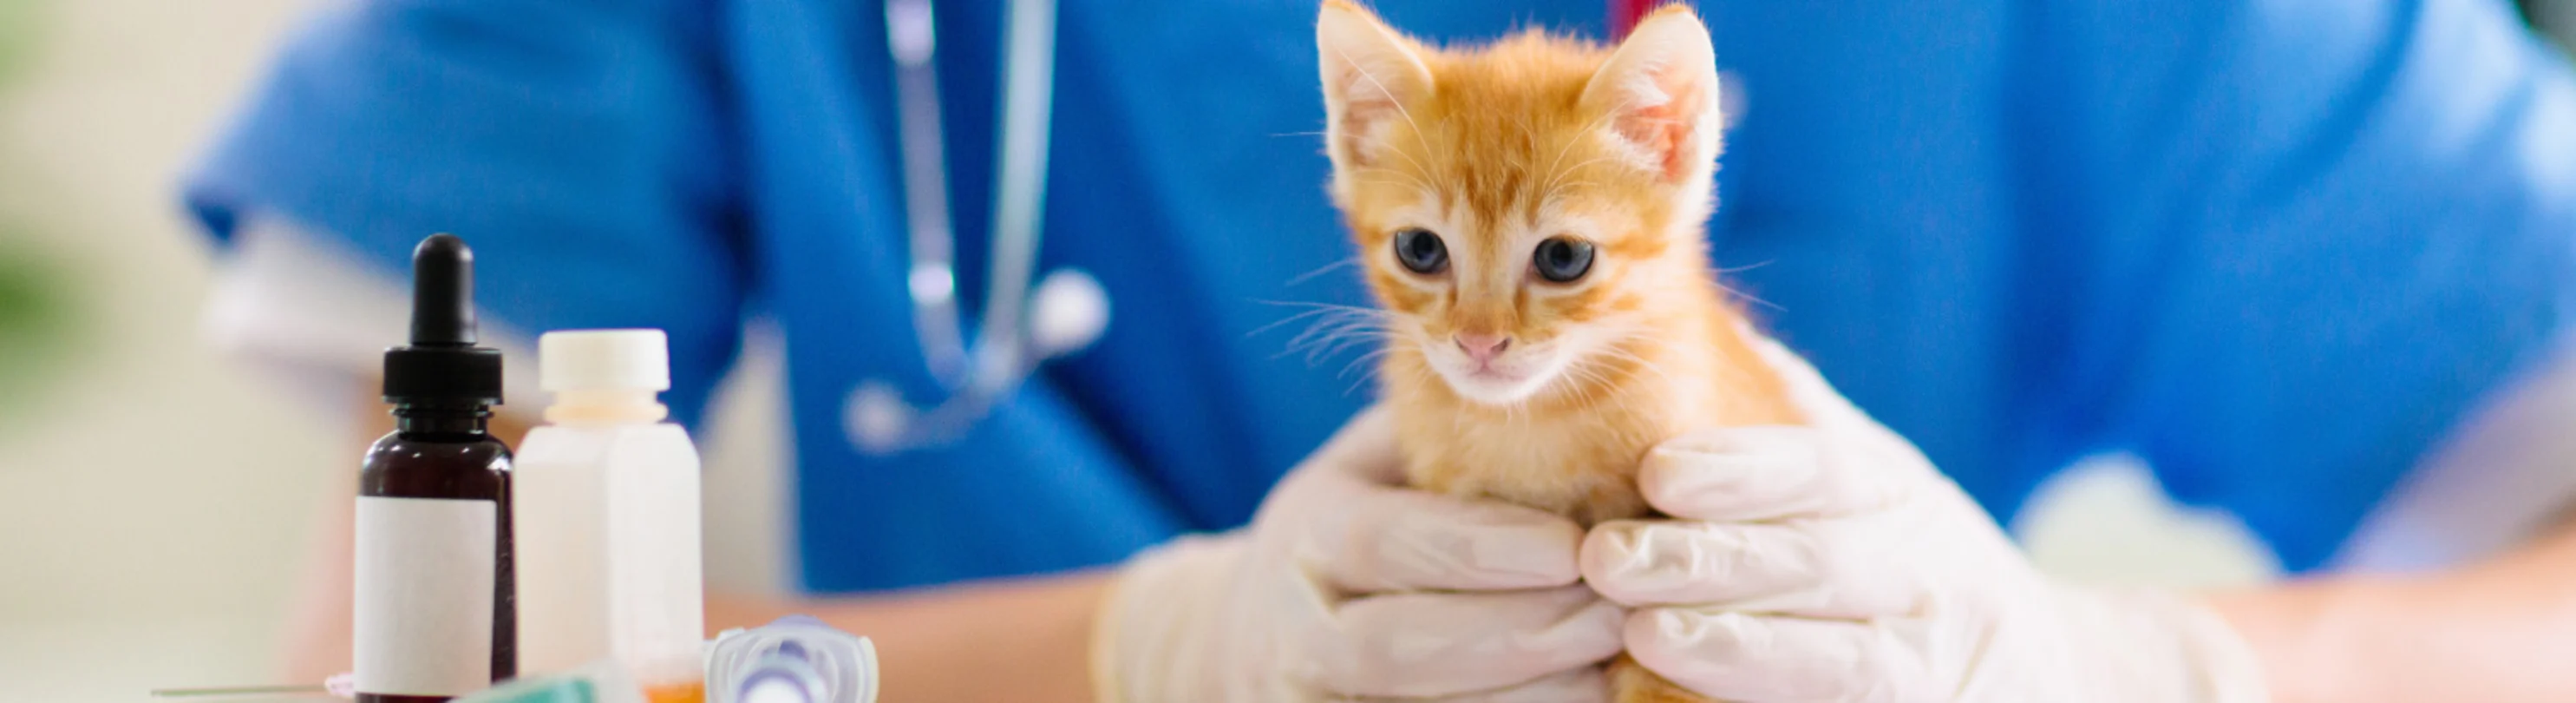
1832	562
1345	587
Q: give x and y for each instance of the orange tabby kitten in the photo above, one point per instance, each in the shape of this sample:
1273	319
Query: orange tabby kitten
1530	214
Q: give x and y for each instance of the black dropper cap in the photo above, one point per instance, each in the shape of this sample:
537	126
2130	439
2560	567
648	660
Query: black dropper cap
442	366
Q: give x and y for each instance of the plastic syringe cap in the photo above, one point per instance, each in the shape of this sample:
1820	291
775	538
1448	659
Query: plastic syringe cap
442	365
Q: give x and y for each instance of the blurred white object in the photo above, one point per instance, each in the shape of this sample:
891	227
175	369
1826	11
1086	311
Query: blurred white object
1071	311
2107	520
1833	562
606	515
1346	587
793	660
304	306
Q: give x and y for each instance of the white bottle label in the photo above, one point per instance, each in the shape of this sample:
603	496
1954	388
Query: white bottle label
424	595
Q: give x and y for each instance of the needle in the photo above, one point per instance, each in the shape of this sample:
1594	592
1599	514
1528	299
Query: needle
337	686
234	691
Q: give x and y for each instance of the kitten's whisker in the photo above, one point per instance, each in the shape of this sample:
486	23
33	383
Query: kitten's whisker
1552	191
1319	309
1588	380
1381	87
1373	355
1256	331
1420	184
1327	339
1419	375
1732	292
1314	304
1747	267
1618	350
1292	341
1330	340
1418	187
1578	166
1343	343
1609	378
1408	158
1319	271
1374	372
1577	138
1653	368
1333	329
1728	375
1414	175
1553	178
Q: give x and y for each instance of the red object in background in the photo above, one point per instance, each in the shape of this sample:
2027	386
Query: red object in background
1625	13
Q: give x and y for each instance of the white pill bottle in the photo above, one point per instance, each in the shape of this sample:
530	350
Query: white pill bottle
607	517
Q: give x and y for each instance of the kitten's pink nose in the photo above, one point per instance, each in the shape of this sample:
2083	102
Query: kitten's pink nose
1482	347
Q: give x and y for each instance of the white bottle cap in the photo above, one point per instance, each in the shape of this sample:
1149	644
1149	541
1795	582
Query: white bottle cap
581	360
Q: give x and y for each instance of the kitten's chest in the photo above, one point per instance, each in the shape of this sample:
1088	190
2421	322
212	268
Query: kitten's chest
1584	468
1583	463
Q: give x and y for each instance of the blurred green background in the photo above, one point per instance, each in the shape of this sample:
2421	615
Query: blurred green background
36	289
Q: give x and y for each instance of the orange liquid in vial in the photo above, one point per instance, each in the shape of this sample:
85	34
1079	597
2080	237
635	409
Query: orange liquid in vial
681	692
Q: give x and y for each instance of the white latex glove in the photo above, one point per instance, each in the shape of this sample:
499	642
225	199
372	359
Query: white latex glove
1833	562
1346	587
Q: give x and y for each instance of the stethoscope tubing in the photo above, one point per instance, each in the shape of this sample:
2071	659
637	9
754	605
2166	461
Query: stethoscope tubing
977	376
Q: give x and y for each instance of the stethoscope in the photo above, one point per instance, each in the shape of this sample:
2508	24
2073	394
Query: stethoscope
1021	329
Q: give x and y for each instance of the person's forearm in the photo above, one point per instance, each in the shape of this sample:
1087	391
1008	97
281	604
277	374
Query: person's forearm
2501	632
1027	640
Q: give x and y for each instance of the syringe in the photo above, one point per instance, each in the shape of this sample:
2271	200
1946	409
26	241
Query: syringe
340	685
795	659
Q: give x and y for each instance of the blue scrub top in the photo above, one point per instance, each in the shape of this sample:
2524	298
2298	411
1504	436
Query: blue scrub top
2275	248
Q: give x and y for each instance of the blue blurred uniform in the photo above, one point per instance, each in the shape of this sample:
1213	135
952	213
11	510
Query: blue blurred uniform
2275	248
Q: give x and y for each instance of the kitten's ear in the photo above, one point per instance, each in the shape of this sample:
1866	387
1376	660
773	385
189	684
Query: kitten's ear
1660	91
1370	73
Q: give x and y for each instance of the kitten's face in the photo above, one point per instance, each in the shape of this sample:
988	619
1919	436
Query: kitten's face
1519	206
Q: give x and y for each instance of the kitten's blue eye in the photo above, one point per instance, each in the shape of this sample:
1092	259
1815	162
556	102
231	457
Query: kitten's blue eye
1421	251
1562	259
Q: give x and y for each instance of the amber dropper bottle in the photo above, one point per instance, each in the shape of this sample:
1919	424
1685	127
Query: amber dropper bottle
436	612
